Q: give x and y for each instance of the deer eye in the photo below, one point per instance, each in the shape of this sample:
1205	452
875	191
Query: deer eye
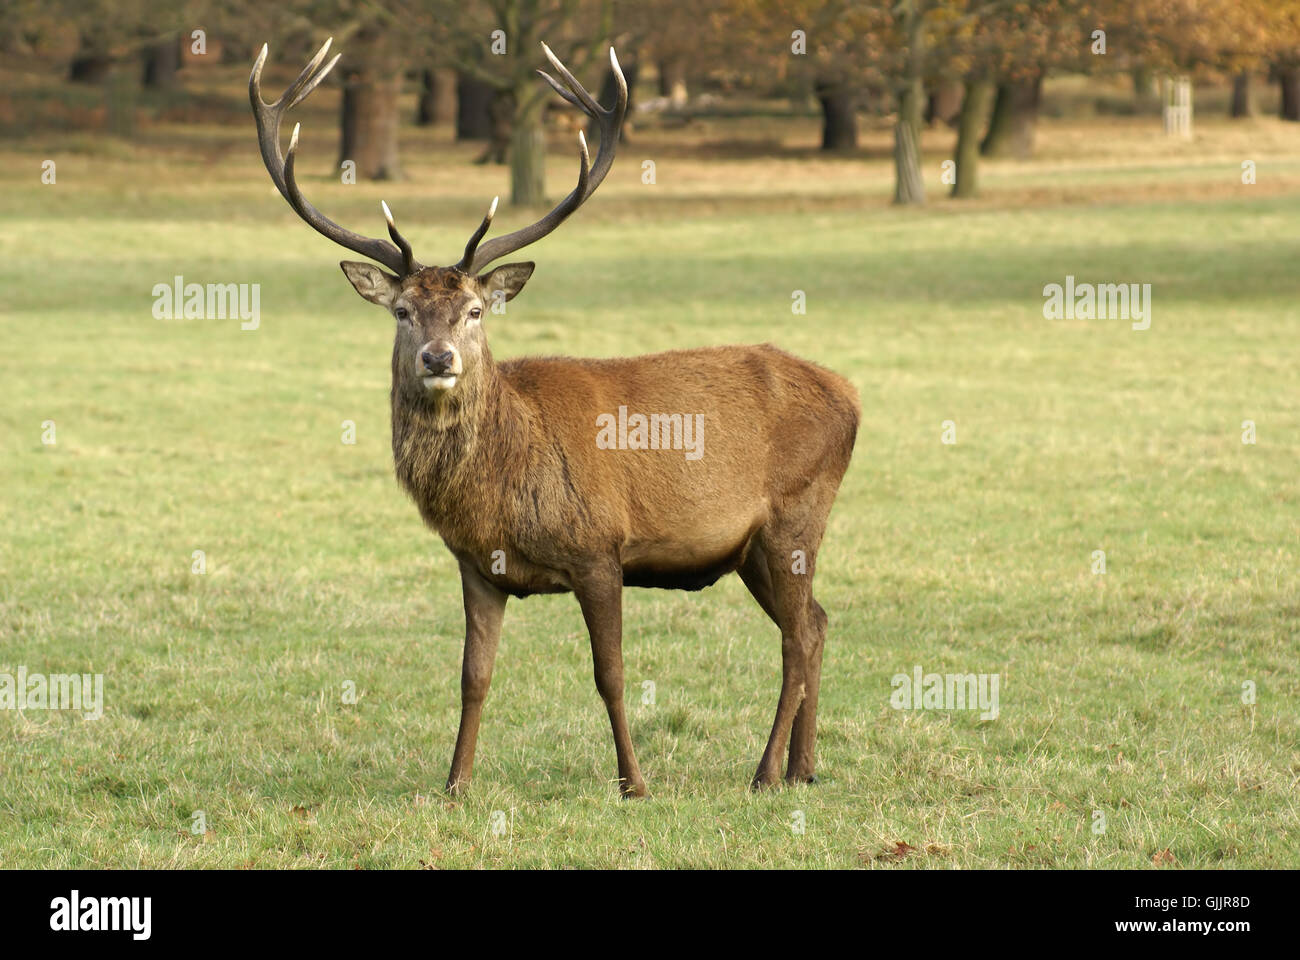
401	313
476	312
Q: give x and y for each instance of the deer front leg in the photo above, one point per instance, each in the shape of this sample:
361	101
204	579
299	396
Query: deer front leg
601	598
485	607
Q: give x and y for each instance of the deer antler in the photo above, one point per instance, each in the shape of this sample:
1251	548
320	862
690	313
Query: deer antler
610	123
399	257
268	115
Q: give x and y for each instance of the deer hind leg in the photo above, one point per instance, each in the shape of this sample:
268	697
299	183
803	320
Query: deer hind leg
803	735
784	595
601	598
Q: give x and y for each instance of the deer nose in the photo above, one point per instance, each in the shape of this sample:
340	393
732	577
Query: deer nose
437	362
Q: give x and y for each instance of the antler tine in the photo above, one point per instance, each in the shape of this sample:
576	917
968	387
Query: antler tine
609	121
281	167
303	93
560	89
403	244
585	99
467	261
611	124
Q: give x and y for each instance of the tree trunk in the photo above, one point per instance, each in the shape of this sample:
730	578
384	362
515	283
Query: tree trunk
1243	101
1145	93
437	102
974	107
1289	78
672	82
426	104
909	188
501	113
89	65
473	108
369	122
839	104
161	61
120	93
528	160
1015	115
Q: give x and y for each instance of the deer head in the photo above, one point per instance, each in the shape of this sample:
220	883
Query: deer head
440	340
440	344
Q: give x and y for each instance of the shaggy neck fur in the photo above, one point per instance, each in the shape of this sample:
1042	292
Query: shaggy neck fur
457	453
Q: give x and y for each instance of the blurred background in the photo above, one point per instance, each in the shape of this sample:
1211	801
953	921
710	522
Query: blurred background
738	77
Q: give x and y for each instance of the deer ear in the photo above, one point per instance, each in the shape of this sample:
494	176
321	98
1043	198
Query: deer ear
509	278
371	282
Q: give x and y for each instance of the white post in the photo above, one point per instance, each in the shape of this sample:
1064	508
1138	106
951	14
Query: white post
1176	92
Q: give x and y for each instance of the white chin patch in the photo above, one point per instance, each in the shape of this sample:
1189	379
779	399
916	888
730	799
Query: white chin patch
439	383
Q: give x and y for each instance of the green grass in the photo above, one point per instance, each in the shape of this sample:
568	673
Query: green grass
1120	693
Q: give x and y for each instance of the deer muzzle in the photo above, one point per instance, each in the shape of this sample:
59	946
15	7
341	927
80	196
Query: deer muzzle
439	365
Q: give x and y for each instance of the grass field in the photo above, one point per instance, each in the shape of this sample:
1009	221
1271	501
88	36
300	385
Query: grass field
1120	693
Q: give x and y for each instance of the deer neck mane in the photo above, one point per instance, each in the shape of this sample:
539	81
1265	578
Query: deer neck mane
448	451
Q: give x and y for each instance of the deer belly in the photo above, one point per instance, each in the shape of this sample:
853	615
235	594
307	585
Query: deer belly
685	560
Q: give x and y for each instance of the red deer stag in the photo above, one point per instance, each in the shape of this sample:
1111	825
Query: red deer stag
538	480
